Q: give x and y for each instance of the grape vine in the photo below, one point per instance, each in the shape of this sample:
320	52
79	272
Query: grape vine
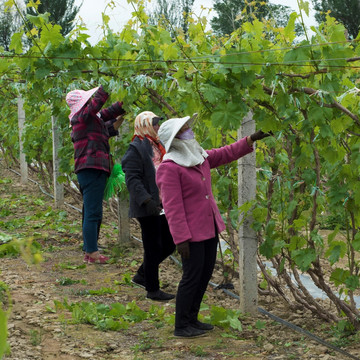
305	92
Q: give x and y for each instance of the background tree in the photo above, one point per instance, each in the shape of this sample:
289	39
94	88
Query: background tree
174	14
343	11
232	13
9	23
62	12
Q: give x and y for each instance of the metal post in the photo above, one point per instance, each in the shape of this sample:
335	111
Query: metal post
123	202
123	220
58	188
247	237
21	122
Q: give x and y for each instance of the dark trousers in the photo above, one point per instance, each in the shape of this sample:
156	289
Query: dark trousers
92	185
197	272
158	245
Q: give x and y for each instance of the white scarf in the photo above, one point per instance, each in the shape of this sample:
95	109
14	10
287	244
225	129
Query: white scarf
186	153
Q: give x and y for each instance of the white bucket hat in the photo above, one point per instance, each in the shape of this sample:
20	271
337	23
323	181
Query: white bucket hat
169	128
76	99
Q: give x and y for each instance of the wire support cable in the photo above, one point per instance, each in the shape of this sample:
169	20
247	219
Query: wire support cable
294	63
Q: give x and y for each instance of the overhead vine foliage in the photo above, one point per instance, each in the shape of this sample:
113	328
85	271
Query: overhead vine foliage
304	92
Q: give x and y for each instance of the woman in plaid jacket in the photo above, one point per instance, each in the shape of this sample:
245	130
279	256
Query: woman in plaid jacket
91	130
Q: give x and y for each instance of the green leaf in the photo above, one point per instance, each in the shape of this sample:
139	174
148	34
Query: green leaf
289	30
235	323
336	250
303	258
291	207
356	242
228	115
170	51
117	310
213	94
51	34
260	324
266	248
298	54
304	5
353	282
16	43
259	214
333	234
339	276
218	315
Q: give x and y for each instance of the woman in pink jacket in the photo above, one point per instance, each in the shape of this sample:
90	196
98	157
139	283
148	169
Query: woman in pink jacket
194	219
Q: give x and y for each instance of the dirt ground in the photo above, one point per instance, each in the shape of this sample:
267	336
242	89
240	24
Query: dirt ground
40	328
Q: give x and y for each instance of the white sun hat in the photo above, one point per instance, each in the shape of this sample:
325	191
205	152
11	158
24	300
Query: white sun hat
76	99
169	128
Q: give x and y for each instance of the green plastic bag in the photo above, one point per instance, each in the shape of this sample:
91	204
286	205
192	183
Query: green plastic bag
115	182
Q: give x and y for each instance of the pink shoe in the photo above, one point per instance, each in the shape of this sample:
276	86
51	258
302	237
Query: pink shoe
100	260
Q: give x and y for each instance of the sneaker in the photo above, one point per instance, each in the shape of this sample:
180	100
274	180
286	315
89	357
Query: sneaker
159	295
189	332
202	326
138	280
100	260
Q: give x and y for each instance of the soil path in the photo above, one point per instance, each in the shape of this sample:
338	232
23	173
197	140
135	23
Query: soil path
40	327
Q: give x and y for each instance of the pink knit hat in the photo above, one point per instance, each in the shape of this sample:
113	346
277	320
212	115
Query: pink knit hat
76	99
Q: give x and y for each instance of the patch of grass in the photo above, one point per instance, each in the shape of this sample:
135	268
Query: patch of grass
219	344
15	247
144	344
3	293
68	266
5	181
52	248
260	324
114	317
12	224
344	334
64	281
35	337
100	292
125	280
5	238
198	351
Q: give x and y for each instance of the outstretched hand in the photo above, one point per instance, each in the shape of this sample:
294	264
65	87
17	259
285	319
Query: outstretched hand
259	135
118	122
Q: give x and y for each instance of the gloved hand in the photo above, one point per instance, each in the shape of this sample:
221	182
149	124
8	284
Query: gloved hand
259	135
183	249
152	207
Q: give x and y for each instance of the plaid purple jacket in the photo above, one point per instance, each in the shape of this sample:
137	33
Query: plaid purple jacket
90	133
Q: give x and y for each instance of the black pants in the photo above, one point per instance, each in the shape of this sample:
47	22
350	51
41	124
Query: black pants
197	272
158	245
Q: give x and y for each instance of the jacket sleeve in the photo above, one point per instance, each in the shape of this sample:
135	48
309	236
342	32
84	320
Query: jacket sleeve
112	111
96	103
110	126
134	174
228	153
109	116
169	183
